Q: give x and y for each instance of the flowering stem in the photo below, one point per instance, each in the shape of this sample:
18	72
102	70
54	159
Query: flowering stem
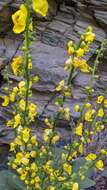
70	75
26	58
99	54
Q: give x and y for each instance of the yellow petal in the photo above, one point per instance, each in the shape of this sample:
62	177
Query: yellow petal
23	9
40	6
19	19
18	29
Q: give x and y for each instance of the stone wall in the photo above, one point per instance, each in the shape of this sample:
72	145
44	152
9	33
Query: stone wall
68	18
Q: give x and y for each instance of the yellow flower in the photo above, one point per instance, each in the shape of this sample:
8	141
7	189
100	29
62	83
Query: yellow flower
67	92
103	152
33	140
46	121
42	151
89	37
86	48
76	62
37	179
60	86
84	67
12	146
79	130
40	6
37	186
15	89
18	141
17	120
34	167
67	168
25	161
100	112
23	177
14	166
100	165
27	155
12	97
32	111
22	105
81	64
19	156
26	134
70	47
77	108
88	114
30	65
71	50
21	84
55	139
33	154
47	133
6	101
20	171
99	127
33	174
36	79
91	156
9	123
16	63
32	181
75	186
88	105
67	113
83	177
22	87
70	43
100	99
46	138
64	156
19	19
81	148
80	52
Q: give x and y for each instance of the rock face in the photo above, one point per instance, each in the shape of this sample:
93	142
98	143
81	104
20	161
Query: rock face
5	15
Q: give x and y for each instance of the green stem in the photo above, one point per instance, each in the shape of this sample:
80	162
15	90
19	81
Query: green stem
26	59
70	76
100	51
81	112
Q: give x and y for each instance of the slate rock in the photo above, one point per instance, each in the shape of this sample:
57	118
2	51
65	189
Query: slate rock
101	17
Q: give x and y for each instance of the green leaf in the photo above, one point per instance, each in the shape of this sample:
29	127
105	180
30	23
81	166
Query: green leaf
77	163
10	181
86	183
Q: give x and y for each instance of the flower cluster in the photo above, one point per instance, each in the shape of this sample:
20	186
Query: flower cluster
20	17
76	52
42	165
